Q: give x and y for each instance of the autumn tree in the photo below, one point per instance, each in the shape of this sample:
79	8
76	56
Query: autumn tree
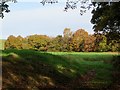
78	39
38	42
67	39
89	43
56	43
14	42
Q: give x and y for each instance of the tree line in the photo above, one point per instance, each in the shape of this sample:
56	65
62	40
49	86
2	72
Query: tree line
78	41
105	20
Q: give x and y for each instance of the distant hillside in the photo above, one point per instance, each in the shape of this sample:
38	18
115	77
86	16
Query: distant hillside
2	41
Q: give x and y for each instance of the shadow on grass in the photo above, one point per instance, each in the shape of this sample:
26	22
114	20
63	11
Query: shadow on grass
36	70
20	73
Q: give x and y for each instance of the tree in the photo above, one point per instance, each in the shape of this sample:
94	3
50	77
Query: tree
67	39
106	19
101	43
78	40
70	4
56	44
114	45
67	33
4	7
89	44
38	42
14	42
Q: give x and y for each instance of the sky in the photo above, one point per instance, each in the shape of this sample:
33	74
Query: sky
28	18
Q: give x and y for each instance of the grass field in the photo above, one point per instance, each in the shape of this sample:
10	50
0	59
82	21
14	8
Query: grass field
33	69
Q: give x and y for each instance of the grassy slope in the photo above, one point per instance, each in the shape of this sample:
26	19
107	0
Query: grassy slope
32	69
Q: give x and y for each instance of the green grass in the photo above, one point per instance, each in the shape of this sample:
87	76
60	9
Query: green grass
61	67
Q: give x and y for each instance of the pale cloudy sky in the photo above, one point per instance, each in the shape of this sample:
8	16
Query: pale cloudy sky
27	18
